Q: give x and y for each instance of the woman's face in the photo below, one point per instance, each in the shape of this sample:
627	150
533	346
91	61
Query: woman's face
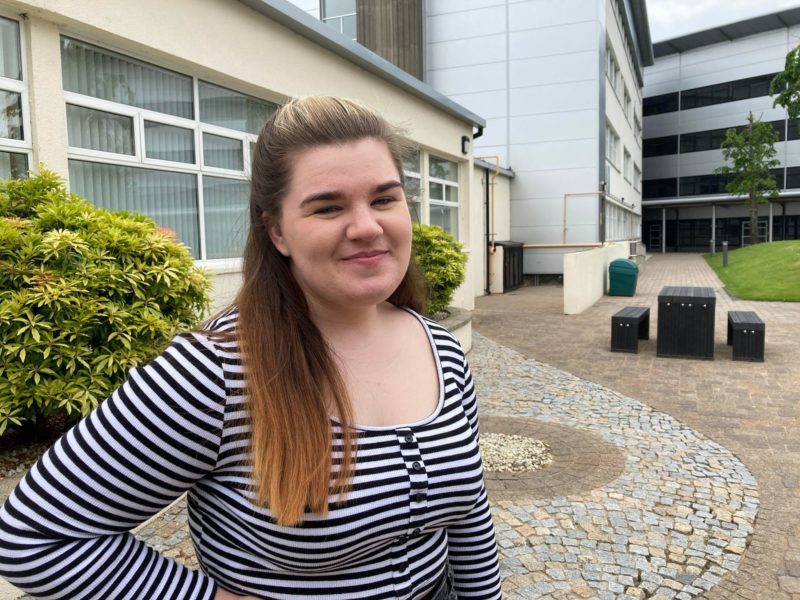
345	225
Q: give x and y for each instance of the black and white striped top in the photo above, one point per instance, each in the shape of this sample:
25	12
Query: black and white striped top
179	424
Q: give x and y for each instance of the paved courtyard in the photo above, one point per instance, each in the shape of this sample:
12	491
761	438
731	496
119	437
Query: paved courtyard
671	478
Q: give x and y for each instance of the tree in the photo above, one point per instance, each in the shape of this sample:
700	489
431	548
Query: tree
752	153
785	85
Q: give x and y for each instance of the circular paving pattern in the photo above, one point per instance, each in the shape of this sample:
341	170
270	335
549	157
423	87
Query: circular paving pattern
513	453
671	514
581	461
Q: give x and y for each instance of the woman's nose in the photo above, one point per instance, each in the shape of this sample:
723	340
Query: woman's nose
363	224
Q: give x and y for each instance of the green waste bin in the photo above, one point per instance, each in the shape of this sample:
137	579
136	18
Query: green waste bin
622	276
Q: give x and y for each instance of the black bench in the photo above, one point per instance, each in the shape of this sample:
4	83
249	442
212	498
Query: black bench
746	333
628	326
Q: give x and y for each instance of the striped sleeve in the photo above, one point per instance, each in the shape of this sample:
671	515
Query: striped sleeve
472	547
64	531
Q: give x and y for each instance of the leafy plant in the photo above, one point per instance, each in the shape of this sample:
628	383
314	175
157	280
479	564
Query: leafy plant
752	154
442	261
85	295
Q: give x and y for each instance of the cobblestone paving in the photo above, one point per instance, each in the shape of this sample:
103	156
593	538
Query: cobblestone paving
670	526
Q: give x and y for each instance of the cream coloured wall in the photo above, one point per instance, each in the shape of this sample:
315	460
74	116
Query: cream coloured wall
501	226
586	275
231	45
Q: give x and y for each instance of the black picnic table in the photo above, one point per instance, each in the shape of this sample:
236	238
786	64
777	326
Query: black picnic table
686	322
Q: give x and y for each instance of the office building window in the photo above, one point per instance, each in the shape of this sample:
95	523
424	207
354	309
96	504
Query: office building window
341	15
412	173
627	165
660	188
137	143
14	138
637	178
443	194
627	105
660	146
612	146
656	105
729	91
637	128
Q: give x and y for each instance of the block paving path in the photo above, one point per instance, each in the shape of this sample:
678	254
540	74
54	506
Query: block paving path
750	409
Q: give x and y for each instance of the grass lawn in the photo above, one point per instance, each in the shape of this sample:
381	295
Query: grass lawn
761	272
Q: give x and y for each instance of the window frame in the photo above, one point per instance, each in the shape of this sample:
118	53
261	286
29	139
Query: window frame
140	159
327	20
445	183
25	145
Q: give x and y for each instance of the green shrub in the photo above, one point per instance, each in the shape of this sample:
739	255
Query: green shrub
85	294
442	261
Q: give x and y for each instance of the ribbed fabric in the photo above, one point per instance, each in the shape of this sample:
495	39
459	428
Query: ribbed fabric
180	424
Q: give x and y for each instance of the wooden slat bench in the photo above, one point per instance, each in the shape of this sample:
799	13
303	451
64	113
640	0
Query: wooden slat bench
628	326
746	334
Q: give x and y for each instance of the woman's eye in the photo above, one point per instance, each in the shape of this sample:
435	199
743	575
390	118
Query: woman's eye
326	210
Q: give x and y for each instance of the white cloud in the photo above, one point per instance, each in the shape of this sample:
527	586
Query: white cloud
673	18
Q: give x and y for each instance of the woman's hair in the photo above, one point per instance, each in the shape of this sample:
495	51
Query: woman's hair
293	384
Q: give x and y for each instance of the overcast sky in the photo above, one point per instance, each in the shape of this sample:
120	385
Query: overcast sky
672	18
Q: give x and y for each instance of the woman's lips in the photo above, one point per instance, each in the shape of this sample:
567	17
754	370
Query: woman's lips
368	258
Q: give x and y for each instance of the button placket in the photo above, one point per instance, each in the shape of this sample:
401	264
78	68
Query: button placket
418	477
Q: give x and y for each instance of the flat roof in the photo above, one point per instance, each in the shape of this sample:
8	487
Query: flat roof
302	23
728	33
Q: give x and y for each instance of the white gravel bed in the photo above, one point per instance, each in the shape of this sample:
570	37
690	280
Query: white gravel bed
513	453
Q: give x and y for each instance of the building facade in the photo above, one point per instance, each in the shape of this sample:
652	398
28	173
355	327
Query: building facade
136	115
699	86
559	84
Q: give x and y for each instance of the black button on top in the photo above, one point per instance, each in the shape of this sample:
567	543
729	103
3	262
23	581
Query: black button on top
409	437
419	497
416	465
415	533
402	539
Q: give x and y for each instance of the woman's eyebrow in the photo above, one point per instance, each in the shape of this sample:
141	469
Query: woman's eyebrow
336	194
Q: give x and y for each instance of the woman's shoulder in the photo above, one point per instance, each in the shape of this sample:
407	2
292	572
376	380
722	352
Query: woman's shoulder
441	337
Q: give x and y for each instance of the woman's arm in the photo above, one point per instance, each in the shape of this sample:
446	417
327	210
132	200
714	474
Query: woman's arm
64	531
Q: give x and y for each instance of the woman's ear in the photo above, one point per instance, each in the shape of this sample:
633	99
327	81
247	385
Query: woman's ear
276	235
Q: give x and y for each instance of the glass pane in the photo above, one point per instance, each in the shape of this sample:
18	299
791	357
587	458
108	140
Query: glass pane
443	169
451	193
10	115
170	199
99	130
349	26
415	208
436	191
226	108
222	152
412	188
166	142
334	8
445	217
225	204
13	165
96	72
10	63
411	162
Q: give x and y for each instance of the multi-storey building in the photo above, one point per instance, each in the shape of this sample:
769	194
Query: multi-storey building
559	84
699	86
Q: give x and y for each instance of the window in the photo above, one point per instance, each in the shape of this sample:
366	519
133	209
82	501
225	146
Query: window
14	137
637	178
341	15
443	194
613	71
637	128
730	91
150	140
627	105
660	146
660	188
627	165
656	105
712	139
413	189
612	146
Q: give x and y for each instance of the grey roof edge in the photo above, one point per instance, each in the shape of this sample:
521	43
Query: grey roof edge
302	23
728	32
716	199
641	24
483	164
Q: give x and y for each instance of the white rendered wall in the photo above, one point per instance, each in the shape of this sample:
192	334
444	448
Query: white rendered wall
586	275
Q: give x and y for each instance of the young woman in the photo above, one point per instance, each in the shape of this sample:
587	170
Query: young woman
325	432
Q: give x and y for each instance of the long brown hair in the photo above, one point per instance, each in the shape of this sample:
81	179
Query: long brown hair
293	383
